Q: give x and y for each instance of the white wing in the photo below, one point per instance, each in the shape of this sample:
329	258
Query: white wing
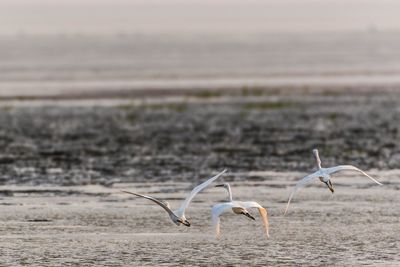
216	211
181	211
261	210
300	184
165	207
351	168
249	204
264	216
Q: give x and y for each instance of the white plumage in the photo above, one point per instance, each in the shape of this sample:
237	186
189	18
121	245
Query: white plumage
324	175
178	216
237	207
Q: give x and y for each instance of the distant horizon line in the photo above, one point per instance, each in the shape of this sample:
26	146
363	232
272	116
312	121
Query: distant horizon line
193	34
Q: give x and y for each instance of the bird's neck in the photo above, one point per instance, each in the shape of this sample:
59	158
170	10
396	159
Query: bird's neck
316	155
229	192
318	161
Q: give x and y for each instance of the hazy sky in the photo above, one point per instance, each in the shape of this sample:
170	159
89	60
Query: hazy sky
195	16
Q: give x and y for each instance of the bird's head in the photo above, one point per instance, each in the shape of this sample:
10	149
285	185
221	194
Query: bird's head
183	221
247	214
326	180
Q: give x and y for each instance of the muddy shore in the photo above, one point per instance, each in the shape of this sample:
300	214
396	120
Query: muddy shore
182	140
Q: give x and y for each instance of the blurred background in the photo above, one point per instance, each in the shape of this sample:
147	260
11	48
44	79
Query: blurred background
71	47
101	91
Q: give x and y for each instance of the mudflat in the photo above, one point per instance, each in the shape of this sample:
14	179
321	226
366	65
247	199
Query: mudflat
186	139
94	225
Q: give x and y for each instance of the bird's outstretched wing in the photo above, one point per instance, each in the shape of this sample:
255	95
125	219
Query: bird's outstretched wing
216	226
262	211
300	184
195	191
162	204
216	211
349	168
264	216
248	204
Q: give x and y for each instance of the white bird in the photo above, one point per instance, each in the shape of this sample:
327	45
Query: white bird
237	207
324	175
178	216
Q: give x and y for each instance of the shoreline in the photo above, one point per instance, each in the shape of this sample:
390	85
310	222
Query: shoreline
217	93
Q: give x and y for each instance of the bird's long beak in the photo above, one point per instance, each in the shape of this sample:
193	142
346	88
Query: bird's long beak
220	185
249	215
330	186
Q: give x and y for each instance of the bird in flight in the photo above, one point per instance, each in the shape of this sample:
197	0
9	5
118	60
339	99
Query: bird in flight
237	207
178	216
324	175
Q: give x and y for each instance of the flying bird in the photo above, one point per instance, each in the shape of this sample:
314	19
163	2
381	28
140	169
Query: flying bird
178	216
324	175
237	207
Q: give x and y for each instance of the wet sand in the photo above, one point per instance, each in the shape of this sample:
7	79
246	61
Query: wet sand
97	226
